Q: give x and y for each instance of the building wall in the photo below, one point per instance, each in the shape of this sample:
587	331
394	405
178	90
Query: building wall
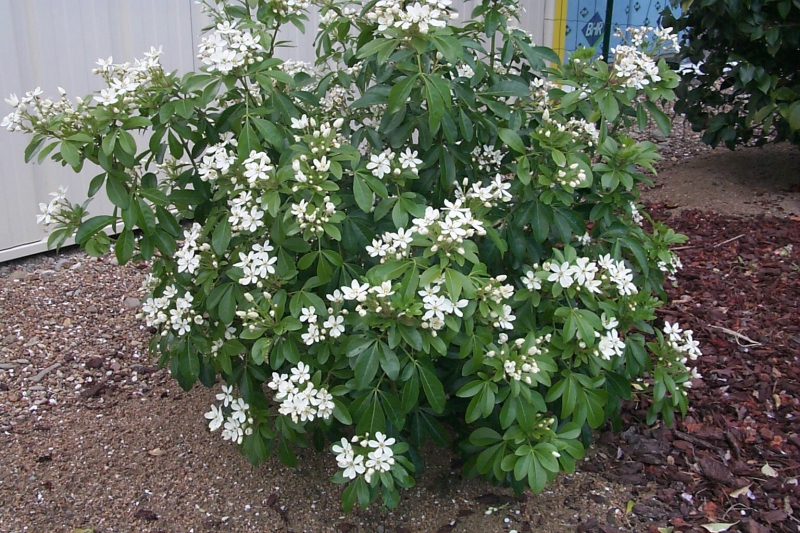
55	43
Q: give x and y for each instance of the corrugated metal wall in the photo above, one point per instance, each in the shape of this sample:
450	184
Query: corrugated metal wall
55	43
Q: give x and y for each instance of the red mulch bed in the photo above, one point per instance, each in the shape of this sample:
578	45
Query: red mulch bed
740	274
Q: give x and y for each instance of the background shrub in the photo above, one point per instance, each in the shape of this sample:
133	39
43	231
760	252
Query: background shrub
746	87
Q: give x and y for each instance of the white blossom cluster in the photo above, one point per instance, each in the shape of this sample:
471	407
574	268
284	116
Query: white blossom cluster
578	129
610	344
464	70
540	91
302	404
634	63
124	80
321	138
288	8
239	420
497	292
682	341
388	163
257	265
292	68
444	230
635	215
437	306
335	99
187	257
229	48
570	176
53	211
217	160
489	196
672	267
258	168
158	311
313	218
519	363
487	158
247	214
37	111
589	275
332	327
367	457
417	17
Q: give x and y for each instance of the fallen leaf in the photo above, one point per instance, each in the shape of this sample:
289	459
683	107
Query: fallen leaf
629	507
668	529
768	471
739	492
718	526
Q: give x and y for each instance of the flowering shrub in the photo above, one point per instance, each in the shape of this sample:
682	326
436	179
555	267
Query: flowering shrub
432	233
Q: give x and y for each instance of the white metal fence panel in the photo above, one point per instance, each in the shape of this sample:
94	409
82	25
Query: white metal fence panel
51	43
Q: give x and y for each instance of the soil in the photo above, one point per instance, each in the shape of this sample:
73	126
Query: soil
94	438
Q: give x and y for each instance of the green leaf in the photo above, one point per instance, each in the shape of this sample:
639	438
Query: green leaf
109	142
661	119
362	193
91	226
484	437
433	388
512	139
134	123
70	154
390	364
221	237
400	93
410	393
286	453
145	216
366	366
123	249
227	306
117	192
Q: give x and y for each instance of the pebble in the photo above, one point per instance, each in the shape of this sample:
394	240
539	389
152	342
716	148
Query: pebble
7	366
36	388
40	376
131	303
91	309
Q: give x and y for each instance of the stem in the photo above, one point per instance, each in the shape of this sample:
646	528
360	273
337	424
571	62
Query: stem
491	58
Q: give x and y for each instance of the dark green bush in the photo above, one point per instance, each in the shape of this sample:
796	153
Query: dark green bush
746	89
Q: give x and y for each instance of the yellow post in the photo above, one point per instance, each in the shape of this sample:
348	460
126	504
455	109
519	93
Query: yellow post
560	27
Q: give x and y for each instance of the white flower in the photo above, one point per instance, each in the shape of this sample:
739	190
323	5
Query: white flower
215	418
609	323
301	374
334	325
380	165
562	274
531	282
355	291
308	314
353	466
409	160
381	442
504	320
226	396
